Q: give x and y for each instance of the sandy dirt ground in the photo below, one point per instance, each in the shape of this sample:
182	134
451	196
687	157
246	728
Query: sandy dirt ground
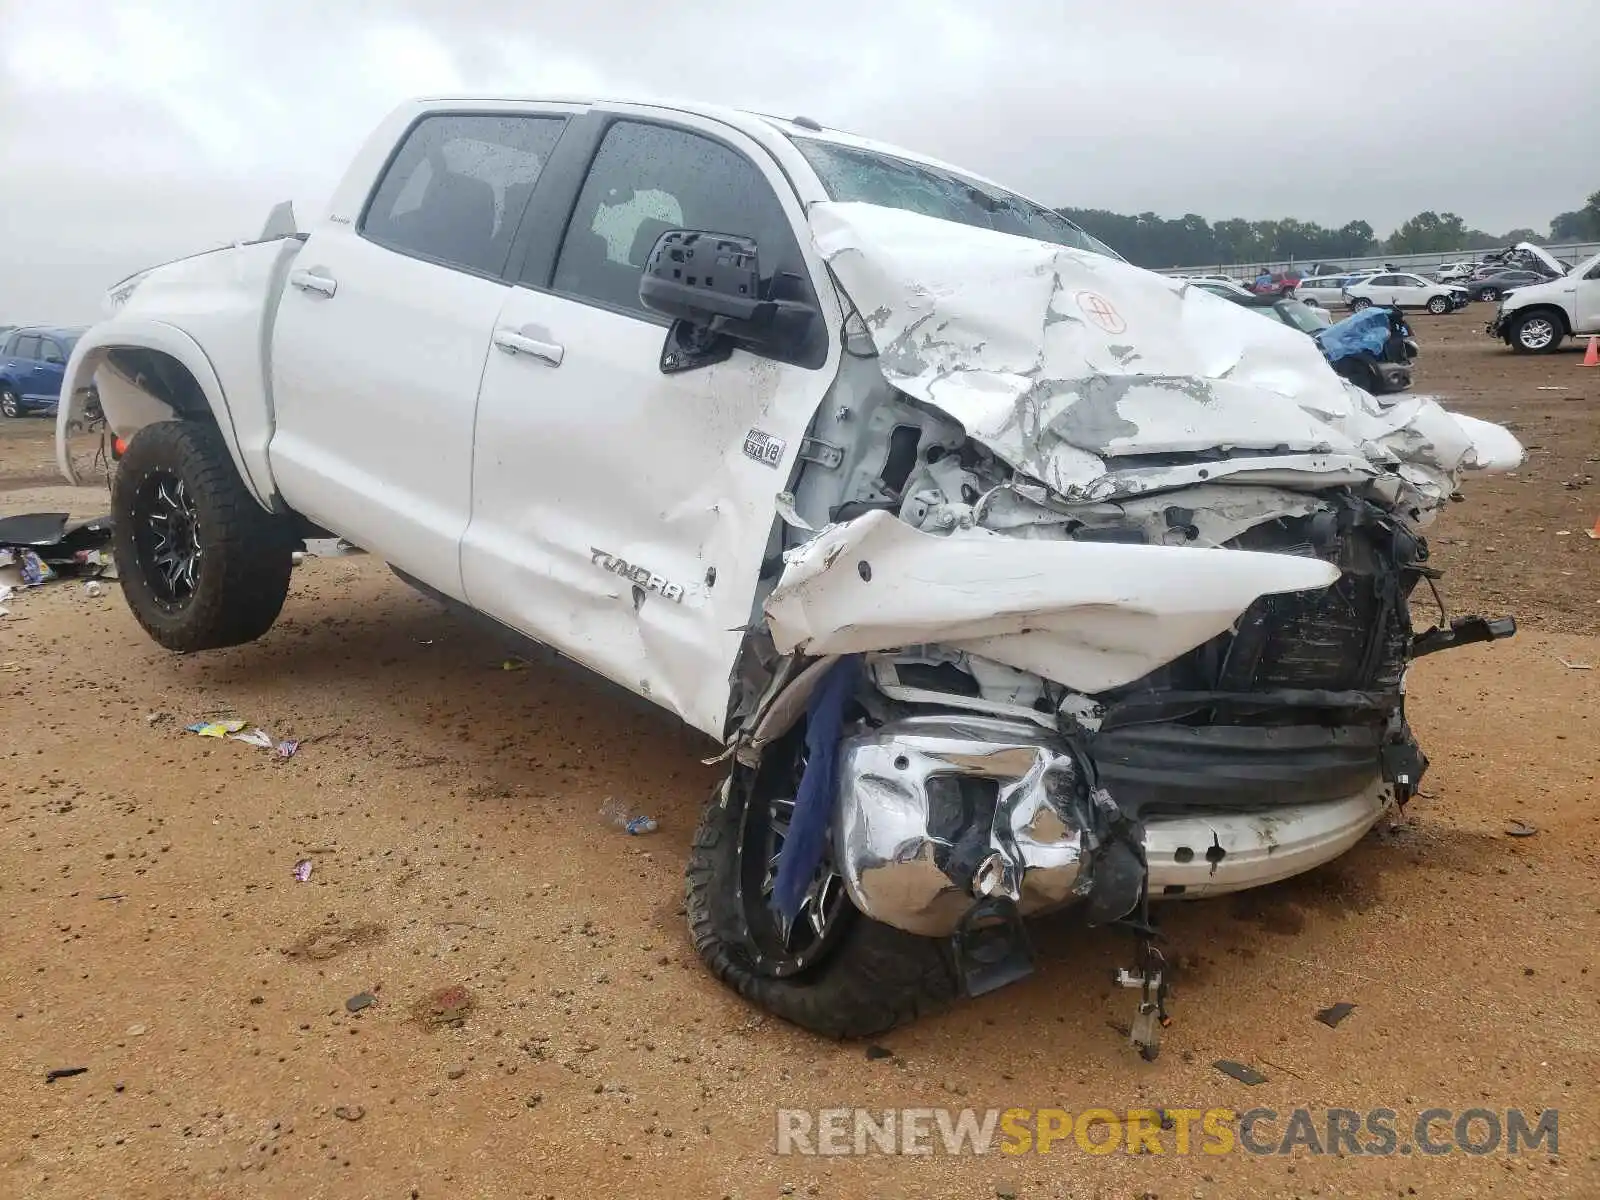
153	932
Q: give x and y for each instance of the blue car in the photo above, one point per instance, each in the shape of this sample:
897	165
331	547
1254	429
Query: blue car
32	361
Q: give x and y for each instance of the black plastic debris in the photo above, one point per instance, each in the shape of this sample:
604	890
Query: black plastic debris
1244	1074
1334	1013
359	1001
1520	829
64	1073
33	529
876	1052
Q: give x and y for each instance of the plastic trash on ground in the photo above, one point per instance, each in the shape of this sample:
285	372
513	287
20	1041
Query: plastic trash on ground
620	815
215	729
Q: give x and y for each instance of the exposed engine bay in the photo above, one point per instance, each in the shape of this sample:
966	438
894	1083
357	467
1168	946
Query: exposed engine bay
1117	635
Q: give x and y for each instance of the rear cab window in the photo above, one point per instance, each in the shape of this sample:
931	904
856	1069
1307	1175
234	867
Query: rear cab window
455	191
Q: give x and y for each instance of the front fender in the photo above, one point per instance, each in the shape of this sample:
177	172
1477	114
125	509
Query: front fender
129	407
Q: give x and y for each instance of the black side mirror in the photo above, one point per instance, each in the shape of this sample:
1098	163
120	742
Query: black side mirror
710	285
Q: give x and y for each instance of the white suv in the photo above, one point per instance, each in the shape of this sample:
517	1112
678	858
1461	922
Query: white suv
1406	291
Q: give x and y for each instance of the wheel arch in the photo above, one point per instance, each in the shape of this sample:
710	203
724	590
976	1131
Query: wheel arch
148	371
1562	318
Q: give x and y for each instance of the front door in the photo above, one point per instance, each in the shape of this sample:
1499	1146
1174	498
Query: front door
49	370
1586	303
382	334
619	514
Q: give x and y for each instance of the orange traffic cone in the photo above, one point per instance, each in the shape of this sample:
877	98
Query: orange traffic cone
1591	357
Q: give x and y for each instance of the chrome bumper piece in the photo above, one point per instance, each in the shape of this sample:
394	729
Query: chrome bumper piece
917	844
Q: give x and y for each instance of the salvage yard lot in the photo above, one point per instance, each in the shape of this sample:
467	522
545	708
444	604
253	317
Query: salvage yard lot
152	929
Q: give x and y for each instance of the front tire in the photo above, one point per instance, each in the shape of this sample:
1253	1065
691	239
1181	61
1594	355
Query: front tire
1359	302
1536	333
841	975
1439	305
10	403
1490	294
202	564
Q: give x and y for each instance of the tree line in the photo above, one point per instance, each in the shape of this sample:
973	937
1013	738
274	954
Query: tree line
1190	240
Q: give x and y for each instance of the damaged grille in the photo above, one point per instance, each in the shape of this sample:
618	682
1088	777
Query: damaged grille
1300	703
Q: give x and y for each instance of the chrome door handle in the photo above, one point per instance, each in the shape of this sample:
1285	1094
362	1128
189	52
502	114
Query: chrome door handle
513	342
314	281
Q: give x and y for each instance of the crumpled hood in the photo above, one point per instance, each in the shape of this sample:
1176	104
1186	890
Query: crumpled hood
1078	370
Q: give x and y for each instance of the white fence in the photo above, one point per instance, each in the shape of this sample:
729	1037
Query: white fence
1572	253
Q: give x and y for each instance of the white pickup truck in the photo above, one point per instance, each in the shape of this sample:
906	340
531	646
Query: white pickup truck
1536	319
1008	575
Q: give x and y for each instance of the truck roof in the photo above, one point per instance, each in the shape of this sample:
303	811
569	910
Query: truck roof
757	125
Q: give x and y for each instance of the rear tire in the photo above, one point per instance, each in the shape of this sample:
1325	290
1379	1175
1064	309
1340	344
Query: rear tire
1357	303
862	978
202	564
1439	305
1490	294
10	403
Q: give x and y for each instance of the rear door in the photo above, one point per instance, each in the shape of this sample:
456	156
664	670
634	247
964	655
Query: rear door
619	513
24	364
381	338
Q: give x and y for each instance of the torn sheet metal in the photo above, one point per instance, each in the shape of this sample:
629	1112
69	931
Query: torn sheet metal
1078	369
1088	615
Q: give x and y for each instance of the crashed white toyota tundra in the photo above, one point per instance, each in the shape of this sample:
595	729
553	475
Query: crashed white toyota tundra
1010	576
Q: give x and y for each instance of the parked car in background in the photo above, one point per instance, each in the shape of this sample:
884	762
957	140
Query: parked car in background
1326	290
1455	272
1406	291
1494	287
32	360
1308	319
1217	286
1535	319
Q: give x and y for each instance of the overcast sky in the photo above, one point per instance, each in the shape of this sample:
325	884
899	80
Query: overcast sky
135	132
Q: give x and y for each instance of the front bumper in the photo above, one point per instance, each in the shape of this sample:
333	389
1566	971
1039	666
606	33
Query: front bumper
938	813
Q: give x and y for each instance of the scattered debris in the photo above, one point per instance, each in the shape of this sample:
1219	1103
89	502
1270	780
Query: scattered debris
359	1001
1516	828
1575	666
215	729
113	896
256	737
302	870
288	747
620	815
1334	1013
514	664
64	1073
93	590
455	1072
1551	387
38	547
135	1030
448	1006
875	1052
349	1112
1244	1074
157	718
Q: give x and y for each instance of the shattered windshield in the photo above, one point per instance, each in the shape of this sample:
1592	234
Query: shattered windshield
865	176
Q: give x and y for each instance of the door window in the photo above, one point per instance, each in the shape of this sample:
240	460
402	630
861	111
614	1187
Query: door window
647	179
456	190
50	352
26	346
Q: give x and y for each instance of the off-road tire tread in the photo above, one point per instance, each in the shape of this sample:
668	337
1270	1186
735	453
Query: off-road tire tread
877	978
244	578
